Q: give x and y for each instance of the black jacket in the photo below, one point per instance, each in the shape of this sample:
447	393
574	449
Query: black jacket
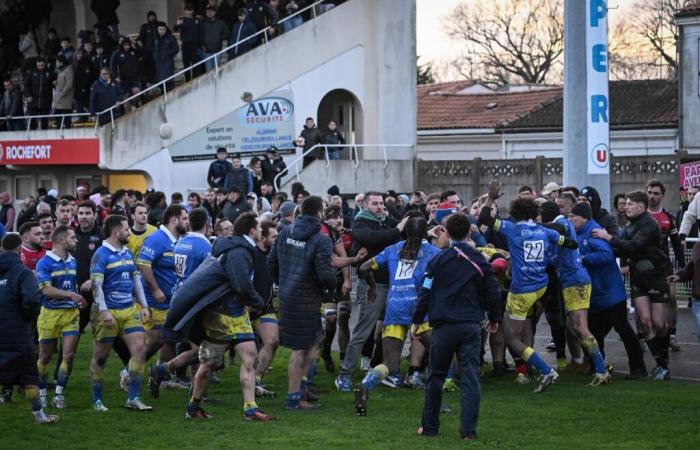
218	169
231	211
148	33
19	305
641	240
312	136
106	11
88	243
604	218
212	33
270	168
164	52
85	74
103	96
11	102
239	32
454	290
375	236
300	263
189	31
38	85
125	65
260	13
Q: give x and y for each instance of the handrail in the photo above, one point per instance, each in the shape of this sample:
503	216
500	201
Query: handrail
353	152
215	56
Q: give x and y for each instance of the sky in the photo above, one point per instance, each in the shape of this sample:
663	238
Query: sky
433	43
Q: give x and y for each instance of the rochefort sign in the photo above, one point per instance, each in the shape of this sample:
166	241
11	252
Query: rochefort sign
597	87
249	130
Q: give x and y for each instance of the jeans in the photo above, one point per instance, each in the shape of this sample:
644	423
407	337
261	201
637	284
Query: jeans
601	322
368	314
696	313
334	153
209	64
446	340
291	23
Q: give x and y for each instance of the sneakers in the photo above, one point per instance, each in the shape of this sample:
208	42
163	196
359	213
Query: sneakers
328	363
137	405
262	391
364	364
197	413
309	396
415	381
154	381
58	402
361	397
394	381
522	378
99	406
601	378
303	405
343	383
259	416
124	380
546	380
42	418
449	385
662	374
673	343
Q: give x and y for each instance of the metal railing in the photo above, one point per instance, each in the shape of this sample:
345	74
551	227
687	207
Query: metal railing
354	156
162	84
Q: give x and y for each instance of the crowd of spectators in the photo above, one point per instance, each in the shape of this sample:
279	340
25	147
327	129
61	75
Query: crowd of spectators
47	74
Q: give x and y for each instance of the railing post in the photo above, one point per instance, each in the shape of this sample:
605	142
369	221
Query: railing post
216	64
386	161
165	92
265	34
357	157
111	115
313	9
63	118
325	151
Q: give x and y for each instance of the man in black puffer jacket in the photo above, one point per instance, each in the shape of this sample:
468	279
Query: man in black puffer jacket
300	263
600	215
19	308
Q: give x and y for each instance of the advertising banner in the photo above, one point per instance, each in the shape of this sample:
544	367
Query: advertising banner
689	174
50	152
597	88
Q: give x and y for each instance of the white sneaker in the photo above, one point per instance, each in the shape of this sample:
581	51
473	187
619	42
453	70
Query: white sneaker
99	406
546	381
137	405
42	418
58	402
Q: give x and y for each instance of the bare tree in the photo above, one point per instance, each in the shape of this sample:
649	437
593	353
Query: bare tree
508	40
629	55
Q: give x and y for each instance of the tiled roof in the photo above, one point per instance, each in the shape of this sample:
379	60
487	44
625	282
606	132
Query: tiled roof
690	10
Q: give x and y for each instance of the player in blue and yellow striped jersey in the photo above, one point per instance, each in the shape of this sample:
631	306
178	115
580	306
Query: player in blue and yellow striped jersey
59	317
115	287
528	243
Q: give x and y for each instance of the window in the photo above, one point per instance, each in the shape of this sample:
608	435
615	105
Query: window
24	187
5	185
47	182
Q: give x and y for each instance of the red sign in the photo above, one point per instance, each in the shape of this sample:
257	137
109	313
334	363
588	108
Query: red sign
689	174
51	151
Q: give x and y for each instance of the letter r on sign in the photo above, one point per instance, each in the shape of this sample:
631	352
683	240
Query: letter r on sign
599	108
599	9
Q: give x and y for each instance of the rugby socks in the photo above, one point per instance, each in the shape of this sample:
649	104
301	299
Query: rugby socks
375	376
533	359
655	345
665	345
32	394
163	370
43	380
311	373
135	371
591	346
250	408
97	385
293	399
194	404
62	380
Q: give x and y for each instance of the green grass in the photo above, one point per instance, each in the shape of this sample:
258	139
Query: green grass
626	414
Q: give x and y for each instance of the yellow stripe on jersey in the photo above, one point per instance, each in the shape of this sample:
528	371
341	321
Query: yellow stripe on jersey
168	254
44	284
497	224
373	265
58	273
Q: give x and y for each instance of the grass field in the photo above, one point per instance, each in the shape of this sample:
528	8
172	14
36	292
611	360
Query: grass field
626	414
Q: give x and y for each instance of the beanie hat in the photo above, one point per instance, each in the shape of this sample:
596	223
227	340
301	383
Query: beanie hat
443	210
287	208
333	190
581	210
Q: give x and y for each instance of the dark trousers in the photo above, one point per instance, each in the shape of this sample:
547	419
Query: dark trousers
601	322
33	111
189	57
464	339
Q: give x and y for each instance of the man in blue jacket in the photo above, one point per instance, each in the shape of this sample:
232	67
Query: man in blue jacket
456	289
19	307
608	307
103	95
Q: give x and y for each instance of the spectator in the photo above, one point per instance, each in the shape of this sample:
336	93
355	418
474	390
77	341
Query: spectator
125	69
100	59
28	48
238	177
193	201
11	105
272	165
156	206
333	137
228	11
84	75
605	219
309	137
213	33
67	50
148	35
38	90
259	13
286	211
235	205
287	9
106	12
53	43
218	169
7	211
28	212
255	167
63	92
242	29
620	205
188	27
103	95
105	38
164	52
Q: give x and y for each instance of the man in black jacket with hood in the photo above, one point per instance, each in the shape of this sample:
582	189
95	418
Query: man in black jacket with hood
604	218
300	263
19	307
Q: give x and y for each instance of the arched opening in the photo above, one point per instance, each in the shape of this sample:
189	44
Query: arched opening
344	108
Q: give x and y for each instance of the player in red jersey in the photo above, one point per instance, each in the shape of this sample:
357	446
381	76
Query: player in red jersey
32	240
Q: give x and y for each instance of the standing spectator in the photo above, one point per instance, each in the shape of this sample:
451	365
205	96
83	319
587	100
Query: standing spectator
259	13
53	44
242	29
309	137
103	95
67	50
148	34
157	204
238	177
105	37
7	211
106	12
84	74
333	137
691	193
620	205
164	52
213	33
11	105
28	211
63	92
235	205
272	165
255	167
100	58
188	27
218	169
38	90
604	218
287	9
28	48
125	68
228	11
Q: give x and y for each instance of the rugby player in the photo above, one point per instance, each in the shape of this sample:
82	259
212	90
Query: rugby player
46	223
32	244
59	317
117	290
140	229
